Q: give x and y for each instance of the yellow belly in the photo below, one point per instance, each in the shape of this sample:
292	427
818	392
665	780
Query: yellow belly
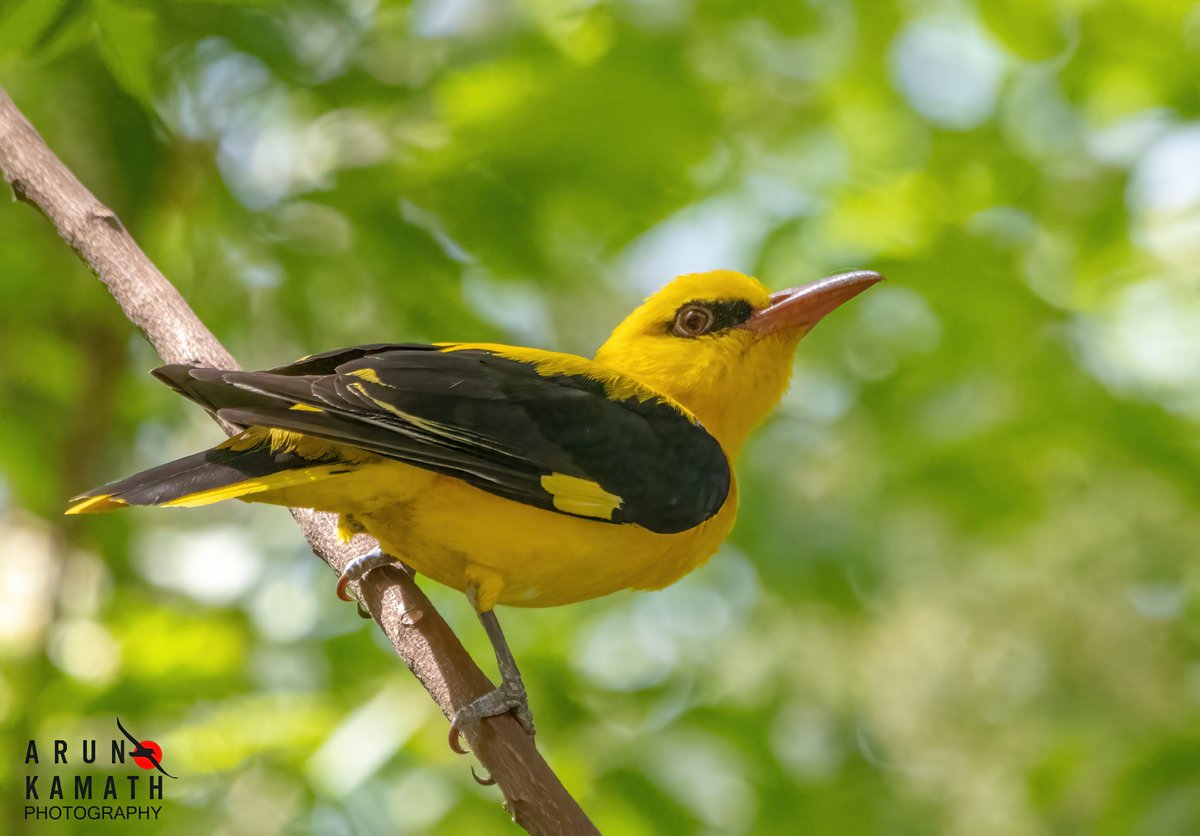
514	554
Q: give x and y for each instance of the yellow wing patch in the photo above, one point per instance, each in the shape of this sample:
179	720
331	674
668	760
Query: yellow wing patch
430	426
298	443
368	374
583	497
303	407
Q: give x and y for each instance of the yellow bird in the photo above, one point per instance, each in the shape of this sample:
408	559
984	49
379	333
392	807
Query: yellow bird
522	477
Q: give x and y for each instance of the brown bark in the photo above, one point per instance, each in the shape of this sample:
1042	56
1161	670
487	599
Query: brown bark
532	792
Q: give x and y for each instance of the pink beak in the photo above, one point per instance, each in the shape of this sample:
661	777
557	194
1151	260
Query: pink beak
805	306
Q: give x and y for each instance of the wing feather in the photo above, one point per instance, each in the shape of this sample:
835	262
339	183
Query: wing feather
560	441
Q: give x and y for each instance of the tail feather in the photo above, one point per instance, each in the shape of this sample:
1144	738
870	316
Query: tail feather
206	477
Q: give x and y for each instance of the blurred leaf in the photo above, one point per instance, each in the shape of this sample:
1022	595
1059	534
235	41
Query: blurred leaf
23	23
1030	29
73	30
129	44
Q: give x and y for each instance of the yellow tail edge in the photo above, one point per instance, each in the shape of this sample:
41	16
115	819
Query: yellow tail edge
236	490
96	505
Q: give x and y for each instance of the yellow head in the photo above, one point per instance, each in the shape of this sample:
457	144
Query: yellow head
721	344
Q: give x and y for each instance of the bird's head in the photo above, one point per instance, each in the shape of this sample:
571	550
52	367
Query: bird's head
721	344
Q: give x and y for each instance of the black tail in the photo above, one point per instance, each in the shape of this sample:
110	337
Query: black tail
199	479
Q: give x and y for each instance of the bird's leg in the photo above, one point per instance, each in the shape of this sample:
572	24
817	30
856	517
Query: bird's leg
509	697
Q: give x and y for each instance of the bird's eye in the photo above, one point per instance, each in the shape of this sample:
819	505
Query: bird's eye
693	321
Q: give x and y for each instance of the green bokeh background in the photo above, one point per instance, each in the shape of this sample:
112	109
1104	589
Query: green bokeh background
962	594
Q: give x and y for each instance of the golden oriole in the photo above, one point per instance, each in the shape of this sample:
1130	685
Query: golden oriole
522	477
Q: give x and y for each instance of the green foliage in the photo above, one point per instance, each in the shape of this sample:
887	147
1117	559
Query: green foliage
128	42
962	595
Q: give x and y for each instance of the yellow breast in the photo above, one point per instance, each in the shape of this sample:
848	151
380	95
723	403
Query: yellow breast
517	554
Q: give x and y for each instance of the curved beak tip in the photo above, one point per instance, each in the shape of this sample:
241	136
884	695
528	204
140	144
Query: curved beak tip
806	305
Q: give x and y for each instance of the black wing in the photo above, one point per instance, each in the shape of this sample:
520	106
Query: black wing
558	441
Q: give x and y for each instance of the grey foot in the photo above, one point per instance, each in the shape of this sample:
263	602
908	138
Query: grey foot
509	698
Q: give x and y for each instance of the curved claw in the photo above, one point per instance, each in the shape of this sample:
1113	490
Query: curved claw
483	782
357	569
456	741
456	747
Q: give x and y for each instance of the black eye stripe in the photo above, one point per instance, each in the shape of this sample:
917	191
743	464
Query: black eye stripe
729	312
726	312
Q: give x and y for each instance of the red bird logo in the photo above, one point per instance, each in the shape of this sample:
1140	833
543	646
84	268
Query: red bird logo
146	753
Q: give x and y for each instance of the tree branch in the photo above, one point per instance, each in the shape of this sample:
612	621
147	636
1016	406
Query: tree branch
532	792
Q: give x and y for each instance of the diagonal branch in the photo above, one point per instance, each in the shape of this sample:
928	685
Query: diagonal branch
532	792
